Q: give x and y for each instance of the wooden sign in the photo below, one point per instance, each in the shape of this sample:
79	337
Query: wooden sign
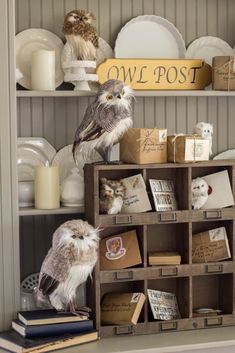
157	74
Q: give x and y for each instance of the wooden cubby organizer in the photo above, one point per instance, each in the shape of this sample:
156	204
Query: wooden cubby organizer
195	285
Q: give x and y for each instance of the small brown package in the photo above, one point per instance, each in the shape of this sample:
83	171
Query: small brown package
210	246
120	251
187	148
144	146
223	73
121	308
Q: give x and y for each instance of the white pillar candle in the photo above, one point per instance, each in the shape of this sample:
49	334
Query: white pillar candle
47	189
43	70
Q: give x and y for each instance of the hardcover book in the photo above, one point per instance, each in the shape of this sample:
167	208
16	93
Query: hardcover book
164	305
164	258
121	308
51	316
12	341
163	195
52	330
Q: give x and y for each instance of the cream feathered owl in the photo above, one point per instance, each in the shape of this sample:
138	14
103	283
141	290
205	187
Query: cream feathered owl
205	130
105	121
200	191
81	35
68	264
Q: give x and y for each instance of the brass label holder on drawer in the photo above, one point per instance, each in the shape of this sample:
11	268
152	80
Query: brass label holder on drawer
214	268
167	272
122	276
213	321
168	217
168	326
123	219
123	330
213	214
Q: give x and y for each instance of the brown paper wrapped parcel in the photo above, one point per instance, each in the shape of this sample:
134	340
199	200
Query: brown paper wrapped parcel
211	245
120	251
144	146
223	73
187	148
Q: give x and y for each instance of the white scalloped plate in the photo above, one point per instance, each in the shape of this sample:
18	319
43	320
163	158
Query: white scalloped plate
32	152
149	36
64	160
207	47
229	154
33	39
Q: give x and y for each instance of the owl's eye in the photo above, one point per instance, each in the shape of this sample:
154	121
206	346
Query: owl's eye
85	18
74	236
109	97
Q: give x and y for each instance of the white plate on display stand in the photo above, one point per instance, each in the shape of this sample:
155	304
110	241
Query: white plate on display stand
32	152
64	160
149	36
229	154
31	40
208	47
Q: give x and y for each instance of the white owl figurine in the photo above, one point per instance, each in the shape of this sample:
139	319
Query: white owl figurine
68	264
205	130
200	190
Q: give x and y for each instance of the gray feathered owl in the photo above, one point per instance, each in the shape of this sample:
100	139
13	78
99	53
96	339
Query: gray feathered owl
80	34
106	120
68	264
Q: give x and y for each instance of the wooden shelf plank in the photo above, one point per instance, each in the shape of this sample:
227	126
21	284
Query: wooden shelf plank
68	93
30	211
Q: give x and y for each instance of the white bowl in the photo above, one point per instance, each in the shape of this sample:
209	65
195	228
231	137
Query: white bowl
26	193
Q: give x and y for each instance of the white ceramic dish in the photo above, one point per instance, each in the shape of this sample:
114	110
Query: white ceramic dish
229	154
149	36
64	160
33	39
207	47
32	152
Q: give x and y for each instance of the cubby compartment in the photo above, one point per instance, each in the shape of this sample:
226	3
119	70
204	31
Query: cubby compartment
198	227
213	291
140	237
169	238
180	287
125	287
179	177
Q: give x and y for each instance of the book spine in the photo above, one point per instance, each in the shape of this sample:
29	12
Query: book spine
58	329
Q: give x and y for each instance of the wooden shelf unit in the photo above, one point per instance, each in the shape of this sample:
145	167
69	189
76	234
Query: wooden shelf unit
195	285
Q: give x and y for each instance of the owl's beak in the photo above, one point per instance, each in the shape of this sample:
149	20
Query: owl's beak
119	96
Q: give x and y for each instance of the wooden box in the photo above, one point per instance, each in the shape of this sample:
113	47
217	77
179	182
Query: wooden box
196	285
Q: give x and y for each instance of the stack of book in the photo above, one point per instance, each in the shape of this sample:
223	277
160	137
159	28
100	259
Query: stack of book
47	330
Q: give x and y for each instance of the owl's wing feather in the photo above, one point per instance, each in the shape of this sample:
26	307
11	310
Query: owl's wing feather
47	284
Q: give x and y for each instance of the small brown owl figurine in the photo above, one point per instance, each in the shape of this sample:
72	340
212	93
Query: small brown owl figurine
112	193
68	264
81	35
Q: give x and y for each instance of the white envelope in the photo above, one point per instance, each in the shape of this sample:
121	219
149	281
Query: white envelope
136	199
221	193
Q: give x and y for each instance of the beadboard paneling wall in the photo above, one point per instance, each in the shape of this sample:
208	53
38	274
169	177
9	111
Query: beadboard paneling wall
57	118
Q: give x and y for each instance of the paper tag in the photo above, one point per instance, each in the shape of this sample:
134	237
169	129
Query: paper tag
196	150
216	234
135	297
162	135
